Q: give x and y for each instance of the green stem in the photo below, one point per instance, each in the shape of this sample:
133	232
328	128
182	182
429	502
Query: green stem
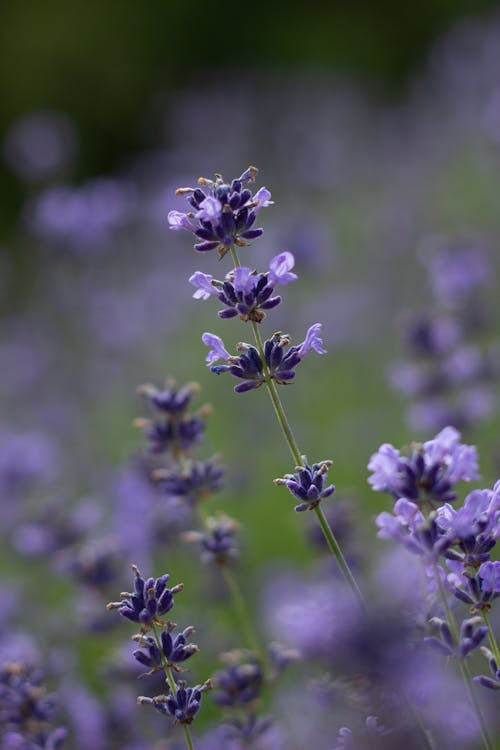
172	685
242	614
491	637
331	541
464	667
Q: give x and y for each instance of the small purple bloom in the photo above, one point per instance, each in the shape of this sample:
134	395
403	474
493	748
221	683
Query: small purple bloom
312	341
181	706
203	282
262	199
218	350
308	485
280	269
489	572
177	221
210	210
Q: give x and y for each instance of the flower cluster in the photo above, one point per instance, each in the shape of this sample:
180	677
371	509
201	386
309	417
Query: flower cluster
173	429
429	474
224	214
217	541
308	485
455	544
26	709
151	600
245	292
277	362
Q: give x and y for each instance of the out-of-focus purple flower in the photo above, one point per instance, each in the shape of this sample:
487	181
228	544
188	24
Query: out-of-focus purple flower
457	273
224	214
191	481
430	473
308	485
239	684
475	527
217	542
40	145
150	600
472	632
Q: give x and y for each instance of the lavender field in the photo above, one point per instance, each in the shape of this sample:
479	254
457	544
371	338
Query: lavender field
206	541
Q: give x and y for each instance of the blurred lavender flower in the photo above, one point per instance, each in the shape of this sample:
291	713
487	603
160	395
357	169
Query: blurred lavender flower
191	481
429	474
40	145
26	710
224	214
240	683
493	683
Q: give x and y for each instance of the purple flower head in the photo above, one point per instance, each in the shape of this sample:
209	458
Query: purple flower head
312	341
224	214
181	706
245	292
248	365
429	474
173	429
218	350
308	485
240	683
410	528
192	480
472	633
150	600
174	649
217	542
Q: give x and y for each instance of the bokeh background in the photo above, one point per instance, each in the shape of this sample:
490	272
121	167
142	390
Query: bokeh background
377	129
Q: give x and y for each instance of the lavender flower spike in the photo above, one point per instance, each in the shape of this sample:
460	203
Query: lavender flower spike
203	282
312	341
218	350
150	599
308	485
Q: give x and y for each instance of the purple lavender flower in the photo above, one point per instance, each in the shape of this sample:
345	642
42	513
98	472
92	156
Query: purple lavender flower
150	600
239	684
308	485
489	573
493	683
428	476
224	215
217	542
472	632
192	480
173	649
26	709
173	428
248	365
245	292
183	706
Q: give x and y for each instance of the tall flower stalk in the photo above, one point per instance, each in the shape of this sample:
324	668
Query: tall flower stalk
223	219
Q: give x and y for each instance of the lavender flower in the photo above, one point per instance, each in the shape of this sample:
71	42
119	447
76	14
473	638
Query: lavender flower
308	484
493	683
224	215
192	480
248	365
183	706
239	684
429	474
472	633
245	292
26	709
173	649
173	428
217	542
150	600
